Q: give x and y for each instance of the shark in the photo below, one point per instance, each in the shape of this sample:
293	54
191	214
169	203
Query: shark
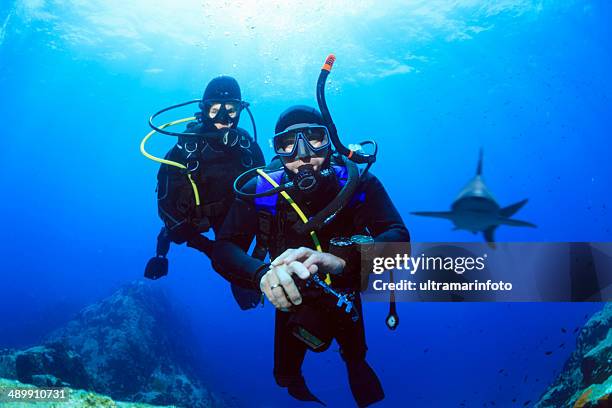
476	210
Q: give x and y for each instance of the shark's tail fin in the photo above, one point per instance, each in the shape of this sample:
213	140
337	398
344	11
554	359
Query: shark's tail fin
510	210
479	168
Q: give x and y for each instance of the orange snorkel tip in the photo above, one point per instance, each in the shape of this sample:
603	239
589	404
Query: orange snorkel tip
329	62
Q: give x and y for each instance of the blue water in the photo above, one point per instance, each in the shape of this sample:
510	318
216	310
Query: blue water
431	81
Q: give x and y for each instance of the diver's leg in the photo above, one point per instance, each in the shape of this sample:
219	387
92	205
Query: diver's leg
201	243
364	382
289	355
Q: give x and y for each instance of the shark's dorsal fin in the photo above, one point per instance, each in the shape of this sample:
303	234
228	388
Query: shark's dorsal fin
479	168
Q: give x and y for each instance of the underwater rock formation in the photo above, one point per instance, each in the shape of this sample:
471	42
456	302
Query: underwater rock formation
586	379
129	346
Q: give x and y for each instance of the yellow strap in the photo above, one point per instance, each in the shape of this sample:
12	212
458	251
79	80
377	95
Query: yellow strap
146	154
299	212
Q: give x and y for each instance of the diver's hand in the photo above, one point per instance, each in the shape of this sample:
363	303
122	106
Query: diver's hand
279	287
312	260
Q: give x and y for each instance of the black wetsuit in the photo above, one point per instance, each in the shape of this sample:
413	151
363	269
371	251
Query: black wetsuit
375	215
214	168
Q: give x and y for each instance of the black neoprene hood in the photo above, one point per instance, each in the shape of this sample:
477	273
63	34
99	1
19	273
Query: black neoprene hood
222	88
298	114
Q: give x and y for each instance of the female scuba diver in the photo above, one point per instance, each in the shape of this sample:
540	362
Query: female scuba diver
194	182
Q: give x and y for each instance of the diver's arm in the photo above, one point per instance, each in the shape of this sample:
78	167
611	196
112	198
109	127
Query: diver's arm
379	215
235	265
229	254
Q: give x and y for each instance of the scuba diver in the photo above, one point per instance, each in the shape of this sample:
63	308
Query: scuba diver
310	195
194	182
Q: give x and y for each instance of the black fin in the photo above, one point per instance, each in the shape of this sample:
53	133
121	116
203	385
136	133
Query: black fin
301	392
364	382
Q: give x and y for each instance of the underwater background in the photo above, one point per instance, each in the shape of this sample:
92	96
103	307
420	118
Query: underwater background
431	81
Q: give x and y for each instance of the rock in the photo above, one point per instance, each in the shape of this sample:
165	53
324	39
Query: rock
596	396
131	346
7	364
51	364
586	379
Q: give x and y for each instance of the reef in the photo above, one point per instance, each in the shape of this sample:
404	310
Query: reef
586	379
130	346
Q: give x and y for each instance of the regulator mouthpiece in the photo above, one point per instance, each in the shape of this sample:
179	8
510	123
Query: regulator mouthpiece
306	179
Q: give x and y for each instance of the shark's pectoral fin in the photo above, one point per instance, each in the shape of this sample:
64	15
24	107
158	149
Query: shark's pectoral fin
510	210
449	215
515	223
488	236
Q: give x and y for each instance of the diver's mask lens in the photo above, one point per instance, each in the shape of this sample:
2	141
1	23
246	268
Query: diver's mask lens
217	109
315	137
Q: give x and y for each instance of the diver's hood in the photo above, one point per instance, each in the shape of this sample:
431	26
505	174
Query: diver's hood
219	89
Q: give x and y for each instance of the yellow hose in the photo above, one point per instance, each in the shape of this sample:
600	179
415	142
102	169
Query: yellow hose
146	154
299	212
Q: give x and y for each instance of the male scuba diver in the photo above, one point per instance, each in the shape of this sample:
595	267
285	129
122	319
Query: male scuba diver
309	194
194	189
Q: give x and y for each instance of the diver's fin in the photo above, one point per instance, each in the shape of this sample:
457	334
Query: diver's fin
438	214
364	382
479	168
157	266
515	223
510	210
488	236
246	298
301	392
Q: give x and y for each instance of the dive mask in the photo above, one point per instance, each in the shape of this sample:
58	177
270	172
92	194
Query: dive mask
222	111
302	140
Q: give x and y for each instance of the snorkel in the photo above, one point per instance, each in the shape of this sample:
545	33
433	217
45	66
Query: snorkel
357	156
